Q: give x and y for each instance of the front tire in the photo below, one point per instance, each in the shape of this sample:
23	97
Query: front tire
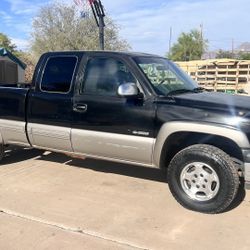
203	178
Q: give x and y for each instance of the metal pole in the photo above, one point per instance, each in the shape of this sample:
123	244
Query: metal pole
232	48
202	41
101	32
98	11
170	41
94	13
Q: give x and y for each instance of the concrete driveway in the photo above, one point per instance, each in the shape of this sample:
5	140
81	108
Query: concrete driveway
50	201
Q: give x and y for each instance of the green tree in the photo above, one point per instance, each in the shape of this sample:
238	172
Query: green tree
189	46
224	54
30	62
59	27
5	42
244	56
228	54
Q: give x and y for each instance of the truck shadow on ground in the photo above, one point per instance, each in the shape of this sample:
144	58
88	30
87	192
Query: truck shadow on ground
15	155
135	171
18	154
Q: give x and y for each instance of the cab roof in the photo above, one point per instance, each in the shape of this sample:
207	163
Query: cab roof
130	54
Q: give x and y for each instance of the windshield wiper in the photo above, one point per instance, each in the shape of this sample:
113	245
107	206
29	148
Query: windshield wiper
180	91
199	89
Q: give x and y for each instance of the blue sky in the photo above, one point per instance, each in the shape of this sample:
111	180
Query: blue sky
146	23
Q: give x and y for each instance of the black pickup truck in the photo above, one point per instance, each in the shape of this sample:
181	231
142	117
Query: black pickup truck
138	109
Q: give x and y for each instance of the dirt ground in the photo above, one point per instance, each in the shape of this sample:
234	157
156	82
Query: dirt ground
51	201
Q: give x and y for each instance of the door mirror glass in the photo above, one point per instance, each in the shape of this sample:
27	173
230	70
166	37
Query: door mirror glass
129	89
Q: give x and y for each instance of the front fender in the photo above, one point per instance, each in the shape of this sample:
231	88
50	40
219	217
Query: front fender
170	128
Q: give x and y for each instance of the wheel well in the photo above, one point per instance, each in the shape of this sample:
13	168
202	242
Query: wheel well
180	140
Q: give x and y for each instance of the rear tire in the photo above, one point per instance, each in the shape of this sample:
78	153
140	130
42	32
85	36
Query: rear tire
203	178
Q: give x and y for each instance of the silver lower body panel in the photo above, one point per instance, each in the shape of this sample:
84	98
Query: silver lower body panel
116	146
51	137
13	132
247	175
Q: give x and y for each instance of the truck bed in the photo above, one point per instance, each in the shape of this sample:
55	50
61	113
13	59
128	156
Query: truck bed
13	101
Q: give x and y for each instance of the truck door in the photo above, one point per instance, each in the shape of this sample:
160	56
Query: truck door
106	125
50	104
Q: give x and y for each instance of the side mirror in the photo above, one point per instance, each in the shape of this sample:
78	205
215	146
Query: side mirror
128	90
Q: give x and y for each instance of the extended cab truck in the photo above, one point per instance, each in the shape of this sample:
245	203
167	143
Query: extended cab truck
139	109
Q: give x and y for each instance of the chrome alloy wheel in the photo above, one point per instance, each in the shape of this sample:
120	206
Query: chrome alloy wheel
199	181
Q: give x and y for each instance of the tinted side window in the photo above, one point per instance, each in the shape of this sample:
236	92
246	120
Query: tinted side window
104	75
58	74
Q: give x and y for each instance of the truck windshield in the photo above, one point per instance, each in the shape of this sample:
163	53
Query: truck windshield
165	76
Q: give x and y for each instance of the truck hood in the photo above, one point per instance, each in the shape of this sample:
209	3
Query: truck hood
206	107
218	100
214	102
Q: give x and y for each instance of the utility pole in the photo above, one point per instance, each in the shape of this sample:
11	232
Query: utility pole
170	41
201	37
99	14
201	31
232	47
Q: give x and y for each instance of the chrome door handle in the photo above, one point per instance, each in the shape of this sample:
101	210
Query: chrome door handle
80	108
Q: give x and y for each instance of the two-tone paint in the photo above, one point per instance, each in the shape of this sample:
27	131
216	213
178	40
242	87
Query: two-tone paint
116	128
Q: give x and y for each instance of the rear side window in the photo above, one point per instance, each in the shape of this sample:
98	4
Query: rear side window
58	74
